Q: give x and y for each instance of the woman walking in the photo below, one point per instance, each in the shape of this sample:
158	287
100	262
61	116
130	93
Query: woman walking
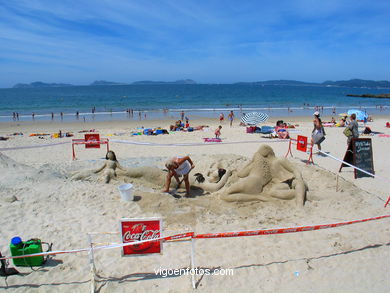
318	133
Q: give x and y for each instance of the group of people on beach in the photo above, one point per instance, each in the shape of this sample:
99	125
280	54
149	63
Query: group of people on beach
318	132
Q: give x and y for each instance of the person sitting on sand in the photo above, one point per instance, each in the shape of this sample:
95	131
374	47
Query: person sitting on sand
218	131
177	167
281	130
265	178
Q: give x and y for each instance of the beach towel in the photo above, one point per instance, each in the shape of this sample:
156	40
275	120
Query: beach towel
207	139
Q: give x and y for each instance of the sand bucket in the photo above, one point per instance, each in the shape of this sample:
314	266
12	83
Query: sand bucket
126	191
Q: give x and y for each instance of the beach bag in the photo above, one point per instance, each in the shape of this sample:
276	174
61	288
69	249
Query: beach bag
347	132
318	137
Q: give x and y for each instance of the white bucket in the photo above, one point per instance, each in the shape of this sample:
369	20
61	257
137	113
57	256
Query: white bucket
126	191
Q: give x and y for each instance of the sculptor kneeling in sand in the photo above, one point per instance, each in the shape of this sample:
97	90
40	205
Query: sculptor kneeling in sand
264	178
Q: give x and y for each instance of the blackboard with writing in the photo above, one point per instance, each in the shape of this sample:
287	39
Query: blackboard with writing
362	156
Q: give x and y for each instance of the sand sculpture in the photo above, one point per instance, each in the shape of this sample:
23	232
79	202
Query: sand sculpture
264	178
112	170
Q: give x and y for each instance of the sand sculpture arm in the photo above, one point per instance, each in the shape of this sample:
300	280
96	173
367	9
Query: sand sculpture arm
212	187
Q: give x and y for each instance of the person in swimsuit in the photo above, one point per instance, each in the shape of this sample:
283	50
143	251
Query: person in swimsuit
231	117
177	167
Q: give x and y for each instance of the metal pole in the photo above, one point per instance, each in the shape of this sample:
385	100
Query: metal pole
91	263
193	263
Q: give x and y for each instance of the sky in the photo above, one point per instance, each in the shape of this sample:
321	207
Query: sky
208	41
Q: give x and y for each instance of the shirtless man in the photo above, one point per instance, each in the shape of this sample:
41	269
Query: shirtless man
177	167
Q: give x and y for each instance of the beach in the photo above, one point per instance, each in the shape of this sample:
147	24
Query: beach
38	199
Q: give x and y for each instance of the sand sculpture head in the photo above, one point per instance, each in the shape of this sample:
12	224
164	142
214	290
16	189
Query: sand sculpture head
111	156
264	151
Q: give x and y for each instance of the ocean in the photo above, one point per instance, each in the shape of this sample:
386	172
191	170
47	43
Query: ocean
166	101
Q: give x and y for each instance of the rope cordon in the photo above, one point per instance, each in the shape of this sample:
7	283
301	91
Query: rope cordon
192	235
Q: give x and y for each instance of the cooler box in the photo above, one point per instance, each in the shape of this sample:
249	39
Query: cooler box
159	131
28	247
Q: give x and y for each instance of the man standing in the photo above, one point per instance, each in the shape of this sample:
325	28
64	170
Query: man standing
354	127
231	118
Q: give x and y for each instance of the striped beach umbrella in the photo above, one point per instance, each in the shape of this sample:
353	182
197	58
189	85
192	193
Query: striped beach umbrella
254	118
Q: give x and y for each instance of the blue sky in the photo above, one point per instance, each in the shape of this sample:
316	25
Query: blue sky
208	41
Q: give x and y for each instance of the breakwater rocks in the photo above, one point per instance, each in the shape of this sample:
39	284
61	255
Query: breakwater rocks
380	96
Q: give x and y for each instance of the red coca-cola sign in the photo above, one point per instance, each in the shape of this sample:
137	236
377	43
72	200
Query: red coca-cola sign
91	137
133	230
302	143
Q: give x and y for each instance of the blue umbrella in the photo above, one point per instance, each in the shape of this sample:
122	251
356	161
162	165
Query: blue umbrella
360	115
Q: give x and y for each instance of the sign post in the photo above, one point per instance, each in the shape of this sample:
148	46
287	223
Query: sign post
133	230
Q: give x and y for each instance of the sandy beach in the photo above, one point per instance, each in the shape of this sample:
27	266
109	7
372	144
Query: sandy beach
38	199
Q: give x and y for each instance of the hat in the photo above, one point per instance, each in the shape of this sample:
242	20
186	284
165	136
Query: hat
316	113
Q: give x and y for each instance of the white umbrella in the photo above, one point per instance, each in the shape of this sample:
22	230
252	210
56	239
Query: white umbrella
254	118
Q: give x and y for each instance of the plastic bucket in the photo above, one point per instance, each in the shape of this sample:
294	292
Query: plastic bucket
126	191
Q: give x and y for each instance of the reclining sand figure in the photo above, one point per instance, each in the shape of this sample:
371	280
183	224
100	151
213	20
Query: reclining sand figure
266	178
111	169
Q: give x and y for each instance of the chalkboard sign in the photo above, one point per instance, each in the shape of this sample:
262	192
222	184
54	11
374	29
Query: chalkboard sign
359	154
362	150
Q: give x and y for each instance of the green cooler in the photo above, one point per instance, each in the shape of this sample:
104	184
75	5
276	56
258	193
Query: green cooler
19	247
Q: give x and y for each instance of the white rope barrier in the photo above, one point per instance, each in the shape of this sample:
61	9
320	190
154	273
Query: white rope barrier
34	146
353	166
193	144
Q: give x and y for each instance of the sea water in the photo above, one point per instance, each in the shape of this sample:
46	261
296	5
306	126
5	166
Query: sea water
166	101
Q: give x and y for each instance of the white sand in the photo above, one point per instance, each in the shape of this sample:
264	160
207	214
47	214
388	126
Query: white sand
56	209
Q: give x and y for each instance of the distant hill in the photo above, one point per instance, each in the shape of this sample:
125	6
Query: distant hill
352	83
182	81
104	82
280	82
39	84
358	83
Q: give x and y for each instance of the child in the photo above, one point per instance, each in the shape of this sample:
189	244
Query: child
221	117
218	131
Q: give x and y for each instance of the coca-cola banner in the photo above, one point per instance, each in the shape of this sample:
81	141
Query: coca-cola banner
302	143
90	137
141	229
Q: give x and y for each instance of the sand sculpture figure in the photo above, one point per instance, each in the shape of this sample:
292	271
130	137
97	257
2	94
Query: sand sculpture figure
266	178
108	170
112	169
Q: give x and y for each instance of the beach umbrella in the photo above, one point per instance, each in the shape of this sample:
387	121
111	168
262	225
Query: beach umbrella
360	115
254	118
